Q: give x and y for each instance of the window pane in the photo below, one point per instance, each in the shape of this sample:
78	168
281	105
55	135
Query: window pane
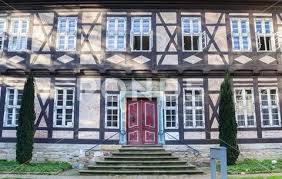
261	43
196	28
196	42
72	26
267	27
121	25
11	96
111	42
146	26
136	43
62	25
24	26
235	26
15	27
61	42
145	42
186	26
245	43
244	26
187	43
20	95
2	24
268	43
236	42
136	25
71	42
258	27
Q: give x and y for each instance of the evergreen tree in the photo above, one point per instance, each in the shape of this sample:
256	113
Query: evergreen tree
25	129
227	121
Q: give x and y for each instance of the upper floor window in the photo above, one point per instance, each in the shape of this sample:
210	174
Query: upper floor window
116	34
64	107
12	106
240	35
269	106
141	34
264	35
67	31
2	33
18	35
171	111
112	112
193	39
193	108
244	104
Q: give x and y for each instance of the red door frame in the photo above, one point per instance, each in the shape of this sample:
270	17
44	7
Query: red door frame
141	121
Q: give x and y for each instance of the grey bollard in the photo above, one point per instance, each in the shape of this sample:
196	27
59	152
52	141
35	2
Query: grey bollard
218	153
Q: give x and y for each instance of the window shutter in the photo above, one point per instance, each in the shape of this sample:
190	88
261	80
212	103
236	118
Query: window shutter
131	40
204	40
277	41
151	39
258	42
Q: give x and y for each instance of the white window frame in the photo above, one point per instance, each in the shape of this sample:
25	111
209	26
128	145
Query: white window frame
269	107
15	106
3	34
175	108
116	34
201	34
64	107
114	108
193	108
66	33
141	34
271	34
245	106
240	34
19	35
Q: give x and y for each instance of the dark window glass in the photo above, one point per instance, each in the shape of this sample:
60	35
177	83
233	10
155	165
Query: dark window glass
187	43
145	43
196	42
136	43
268	43
262	44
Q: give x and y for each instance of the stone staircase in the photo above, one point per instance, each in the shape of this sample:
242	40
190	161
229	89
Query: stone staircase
141	160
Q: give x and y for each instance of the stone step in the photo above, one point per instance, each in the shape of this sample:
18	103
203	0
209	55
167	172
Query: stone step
140	158
139	153
141	167
144	172
129	163
141	146
142	149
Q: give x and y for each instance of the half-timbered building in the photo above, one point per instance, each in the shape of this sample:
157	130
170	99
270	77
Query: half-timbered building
140	72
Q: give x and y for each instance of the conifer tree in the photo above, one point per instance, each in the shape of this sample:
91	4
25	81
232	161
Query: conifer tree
25	129
227	121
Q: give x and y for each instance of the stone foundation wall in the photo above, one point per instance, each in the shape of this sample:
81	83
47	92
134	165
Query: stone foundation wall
75	153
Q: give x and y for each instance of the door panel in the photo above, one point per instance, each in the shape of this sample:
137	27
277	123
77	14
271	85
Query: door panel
133	122
150	117
141	121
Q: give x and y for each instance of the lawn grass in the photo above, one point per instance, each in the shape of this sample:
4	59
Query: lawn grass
40	168
249	166
273	177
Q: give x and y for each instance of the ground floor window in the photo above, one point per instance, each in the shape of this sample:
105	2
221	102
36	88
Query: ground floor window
171	111
112	113
193	108
270	112
244	104
12	106
64	107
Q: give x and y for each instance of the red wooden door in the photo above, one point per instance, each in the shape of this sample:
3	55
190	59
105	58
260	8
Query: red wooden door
141	121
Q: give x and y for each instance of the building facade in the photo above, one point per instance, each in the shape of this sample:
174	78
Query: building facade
131	73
